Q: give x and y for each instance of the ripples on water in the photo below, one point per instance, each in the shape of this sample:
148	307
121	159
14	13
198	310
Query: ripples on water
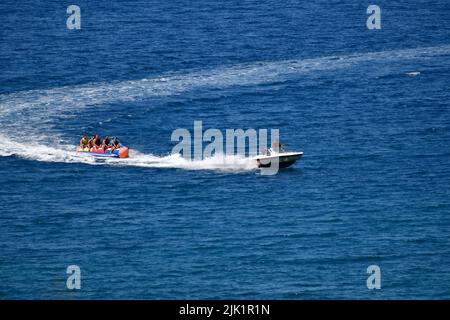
370	111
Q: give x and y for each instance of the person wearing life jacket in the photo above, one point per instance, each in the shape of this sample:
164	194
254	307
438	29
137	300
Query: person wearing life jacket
115	144
91	143
84	142
106	143
97	141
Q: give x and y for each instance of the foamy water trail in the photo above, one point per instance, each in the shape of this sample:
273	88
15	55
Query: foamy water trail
66	154
32	109
41	152
231	163
81	96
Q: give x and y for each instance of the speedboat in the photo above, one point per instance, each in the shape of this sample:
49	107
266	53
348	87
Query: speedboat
121	152
285	157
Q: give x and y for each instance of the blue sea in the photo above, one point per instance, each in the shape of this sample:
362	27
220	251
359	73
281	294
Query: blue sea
369	109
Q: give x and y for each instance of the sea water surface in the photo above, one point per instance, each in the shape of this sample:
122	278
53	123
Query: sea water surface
369	108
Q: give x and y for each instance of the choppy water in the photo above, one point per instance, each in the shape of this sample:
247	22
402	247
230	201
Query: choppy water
370	109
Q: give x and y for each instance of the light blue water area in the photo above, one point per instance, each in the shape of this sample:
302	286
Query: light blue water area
369	108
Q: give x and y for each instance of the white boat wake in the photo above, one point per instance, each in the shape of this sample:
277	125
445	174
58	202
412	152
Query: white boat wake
66	154
27	113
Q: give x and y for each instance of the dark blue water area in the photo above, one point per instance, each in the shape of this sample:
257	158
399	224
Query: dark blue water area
371	189
138	39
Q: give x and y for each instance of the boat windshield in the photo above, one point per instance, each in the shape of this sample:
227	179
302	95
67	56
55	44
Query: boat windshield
281	149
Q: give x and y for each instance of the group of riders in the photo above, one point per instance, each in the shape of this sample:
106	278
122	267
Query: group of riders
95	144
